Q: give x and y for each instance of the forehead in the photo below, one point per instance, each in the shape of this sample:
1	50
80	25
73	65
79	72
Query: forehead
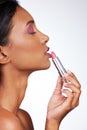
21	16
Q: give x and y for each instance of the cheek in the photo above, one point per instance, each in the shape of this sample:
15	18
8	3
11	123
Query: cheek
26	54
24	43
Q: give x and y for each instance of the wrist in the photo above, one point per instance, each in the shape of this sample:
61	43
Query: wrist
52	124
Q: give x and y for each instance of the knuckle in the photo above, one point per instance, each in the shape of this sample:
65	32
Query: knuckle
76	104
79	91
79	86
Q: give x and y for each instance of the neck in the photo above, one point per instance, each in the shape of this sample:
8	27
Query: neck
12	89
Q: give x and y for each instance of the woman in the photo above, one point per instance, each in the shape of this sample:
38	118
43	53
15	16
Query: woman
23	50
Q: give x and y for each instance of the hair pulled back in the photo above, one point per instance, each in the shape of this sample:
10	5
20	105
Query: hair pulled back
7	11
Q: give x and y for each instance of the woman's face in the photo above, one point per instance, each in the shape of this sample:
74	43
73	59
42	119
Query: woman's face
27	44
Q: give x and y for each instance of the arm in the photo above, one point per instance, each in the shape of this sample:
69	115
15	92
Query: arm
60	105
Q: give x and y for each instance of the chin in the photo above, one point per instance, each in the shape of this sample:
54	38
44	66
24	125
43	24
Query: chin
43	66
46	66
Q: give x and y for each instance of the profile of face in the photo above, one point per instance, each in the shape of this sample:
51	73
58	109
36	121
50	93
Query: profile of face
27	45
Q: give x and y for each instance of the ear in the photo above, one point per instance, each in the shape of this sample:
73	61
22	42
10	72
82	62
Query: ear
4	59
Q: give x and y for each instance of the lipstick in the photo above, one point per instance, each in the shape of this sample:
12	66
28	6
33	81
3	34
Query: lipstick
58	64
61	70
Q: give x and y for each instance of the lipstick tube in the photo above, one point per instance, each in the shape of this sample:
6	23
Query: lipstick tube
58	64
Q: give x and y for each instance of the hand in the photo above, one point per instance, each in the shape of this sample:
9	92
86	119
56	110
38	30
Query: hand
60	105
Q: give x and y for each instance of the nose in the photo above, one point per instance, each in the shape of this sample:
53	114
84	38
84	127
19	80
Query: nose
44	39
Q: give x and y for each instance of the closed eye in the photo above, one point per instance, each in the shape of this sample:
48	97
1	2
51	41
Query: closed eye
30	29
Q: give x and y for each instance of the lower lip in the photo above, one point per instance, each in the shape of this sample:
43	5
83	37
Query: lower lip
48	54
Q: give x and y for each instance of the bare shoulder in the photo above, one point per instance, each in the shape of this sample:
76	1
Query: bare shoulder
25	118
8	121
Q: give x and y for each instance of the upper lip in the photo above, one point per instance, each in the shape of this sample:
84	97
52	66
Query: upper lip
47	50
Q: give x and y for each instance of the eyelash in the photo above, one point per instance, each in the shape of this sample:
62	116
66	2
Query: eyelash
32	33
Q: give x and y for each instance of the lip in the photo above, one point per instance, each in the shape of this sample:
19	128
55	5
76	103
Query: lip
47	52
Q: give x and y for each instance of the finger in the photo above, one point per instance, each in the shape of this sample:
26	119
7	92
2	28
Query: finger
69	98
69	76
76	94
72	87
59	85
76	99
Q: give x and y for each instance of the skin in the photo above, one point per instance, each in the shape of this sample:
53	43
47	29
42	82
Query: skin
24	54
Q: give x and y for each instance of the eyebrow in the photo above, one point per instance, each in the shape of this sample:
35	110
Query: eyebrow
30	21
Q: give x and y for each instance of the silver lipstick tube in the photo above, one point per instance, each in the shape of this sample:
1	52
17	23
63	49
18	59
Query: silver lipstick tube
59	66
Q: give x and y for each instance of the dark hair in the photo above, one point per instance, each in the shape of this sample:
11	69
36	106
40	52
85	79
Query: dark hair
7	10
